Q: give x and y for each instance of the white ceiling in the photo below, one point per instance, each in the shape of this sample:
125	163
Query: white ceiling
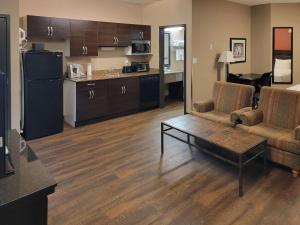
141	2
259	2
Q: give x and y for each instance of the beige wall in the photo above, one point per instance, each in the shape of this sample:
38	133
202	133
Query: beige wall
214	23
261	42
170	12
11	7
288	15
104	10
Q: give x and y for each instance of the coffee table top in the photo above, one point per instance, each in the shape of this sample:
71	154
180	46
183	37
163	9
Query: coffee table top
232	139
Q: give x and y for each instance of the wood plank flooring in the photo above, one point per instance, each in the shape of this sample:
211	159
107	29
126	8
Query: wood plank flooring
111	173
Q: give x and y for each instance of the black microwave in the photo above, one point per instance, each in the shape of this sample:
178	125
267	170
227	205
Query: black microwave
141	47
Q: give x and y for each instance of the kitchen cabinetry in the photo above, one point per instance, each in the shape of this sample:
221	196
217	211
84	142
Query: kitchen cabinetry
84	38
91	100
140	32
123	94
47	28
114	34
97	100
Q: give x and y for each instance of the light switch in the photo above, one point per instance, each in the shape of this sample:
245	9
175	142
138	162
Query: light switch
195	60
211	47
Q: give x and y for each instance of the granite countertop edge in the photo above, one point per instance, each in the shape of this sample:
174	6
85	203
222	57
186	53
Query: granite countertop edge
117	74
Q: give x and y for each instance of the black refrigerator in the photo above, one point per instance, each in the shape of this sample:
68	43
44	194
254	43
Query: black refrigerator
4	90
42	94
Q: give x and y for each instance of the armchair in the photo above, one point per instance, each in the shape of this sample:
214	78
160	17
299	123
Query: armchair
228	102
278	119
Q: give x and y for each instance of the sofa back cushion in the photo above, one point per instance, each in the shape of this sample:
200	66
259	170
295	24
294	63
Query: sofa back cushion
228	97
280	107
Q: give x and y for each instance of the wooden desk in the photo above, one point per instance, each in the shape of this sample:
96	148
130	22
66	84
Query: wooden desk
24	195
251	76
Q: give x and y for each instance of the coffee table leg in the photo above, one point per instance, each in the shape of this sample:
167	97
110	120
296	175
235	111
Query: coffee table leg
240	177
162	138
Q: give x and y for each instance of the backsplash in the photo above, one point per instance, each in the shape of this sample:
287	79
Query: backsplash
112	59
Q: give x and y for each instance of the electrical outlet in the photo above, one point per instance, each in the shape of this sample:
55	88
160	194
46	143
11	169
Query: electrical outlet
195	60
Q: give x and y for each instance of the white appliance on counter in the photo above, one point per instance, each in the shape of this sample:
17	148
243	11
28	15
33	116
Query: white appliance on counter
75	71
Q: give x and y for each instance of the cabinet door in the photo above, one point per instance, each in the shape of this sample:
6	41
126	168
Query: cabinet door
84	38
91	38
38	27
123	95
60	28
77	46
107	33
131	94
123	35
91	100
141	32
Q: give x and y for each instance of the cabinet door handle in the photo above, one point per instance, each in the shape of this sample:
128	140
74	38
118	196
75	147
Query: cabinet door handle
49	31
124	89
86	50
90	97
117	40
83	50
91	84
93	94
142	35
52	32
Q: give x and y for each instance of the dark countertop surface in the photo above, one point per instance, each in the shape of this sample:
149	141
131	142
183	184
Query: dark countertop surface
30	175
115	74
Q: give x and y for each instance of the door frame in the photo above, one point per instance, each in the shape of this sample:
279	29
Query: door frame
161	64
6	92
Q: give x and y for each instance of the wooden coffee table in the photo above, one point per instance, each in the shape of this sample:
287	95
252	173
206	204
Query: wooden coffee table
241	147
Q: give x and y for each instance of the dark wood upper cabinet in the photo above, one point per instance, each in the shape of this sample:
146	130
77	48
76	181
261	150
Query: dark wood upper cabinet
107	34
114	34
140	32
84	38
47	28
123	35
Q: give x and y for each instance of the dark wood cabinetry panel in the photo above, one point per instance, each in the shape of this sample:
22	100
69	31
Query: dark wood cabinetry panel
91	100
60	28
84	38
123	35
107	34
123	95
47	28
140	32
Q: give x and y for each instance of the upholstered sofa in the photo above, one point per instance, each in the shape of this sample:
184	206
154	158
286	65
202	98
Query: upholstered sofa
228	102
278	119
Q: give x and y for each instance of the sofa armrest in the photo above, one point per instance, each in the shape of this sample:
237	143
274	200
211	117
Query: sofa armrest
235	115
204	106
297	133
252	118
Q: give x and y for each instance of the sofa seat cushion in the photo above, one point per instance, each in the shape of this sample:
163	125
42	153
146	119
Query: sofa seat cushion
277	137
215	116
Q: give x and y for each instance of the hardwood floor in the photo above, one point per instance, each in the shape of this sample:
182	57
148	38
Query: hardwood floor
111	173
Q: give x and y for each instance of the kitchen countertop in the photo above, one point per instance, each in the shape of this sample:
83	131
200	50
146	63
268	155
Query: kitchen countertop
115	74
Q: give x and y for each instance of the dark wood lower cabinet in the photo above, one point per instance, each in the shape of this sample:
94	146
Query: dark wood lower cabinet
123	95
98	100
91	100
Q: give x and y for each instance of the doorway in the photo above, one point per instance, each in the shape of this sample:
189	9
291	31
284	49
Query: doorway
172	64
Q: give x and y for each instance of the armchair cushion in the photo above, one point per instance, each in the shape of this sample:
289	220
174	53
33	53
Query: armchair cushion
215	116
251	118
297	133
235	115
204	106
280	138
